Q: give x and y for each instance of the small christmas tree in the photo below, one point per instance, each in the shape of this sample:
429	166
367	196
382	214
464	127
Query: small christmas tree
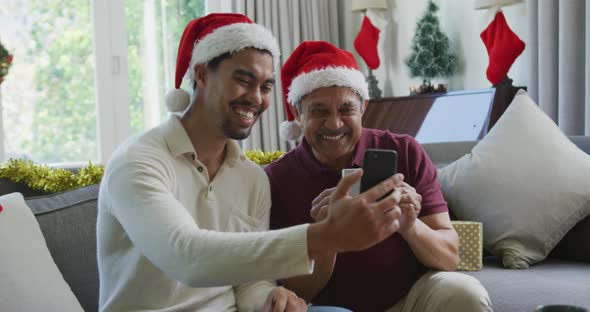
430	55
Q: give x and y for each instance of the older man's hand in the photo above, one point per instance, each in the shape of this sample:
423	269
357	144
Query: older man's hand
281	299
319	206
410	204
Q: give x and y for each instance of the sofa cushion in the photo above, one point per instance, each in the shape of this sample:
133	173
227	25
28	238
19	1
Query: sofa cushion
68	222
7	186
549	282
525	181
575	246
30	279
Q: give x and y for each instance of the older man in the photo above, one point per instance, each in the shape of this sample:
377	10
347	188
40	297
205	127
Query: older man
326	94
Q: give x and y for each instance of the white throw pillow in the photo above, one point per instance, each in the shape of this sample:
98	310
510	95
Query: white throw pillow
525	181
29	279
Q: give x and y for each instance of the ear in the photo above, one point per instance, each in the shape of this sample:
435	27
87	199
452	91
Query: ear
364	108
295	112
200	71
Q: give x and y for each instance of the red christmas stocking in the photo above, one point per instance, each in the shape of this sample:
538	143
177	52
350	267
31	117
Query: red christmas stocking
503	47
365	43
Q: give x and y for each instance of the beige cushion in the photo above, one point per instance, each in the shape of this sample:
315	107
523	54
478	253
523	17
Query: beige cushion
525	181
29	279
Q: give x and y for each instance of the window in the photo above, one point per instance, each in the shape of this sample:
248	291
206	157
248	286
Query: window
86	74
48	97
154	30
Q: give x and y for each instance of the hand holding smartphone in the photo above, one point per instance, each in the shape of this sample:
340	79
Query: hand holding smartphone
378	165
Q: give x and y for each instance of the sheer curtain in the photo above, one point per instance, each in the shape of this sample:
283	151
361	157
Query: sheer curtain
559	43
292	22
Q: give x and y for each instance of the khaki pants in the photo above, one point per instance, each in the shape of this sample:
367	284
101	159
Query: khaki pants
445	291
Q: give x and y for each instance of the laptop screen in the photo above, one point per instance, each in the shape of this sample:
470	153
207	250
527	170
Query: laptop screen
457	116
445	117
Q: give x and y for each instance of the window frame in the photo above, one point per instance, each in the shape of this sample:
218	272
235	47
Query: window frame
109	32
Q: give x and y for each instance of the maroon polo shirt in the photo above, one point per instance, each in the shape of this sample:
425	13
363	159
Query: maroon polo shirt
376	278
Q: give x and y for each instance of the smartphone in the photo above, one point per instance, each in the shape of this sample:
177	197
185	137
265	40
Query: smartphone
378	165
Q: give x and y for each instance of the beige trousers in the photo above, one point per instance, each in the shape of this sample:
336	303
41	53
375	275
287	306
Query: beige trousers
445	291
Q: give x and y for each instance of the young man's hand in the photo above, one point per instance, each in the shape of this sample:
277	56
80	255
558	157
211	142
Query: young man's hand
355	223
281	299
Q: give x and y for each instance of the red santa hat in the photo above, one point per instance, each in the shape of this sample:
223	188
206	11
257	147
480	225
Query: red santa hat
314	65
210	36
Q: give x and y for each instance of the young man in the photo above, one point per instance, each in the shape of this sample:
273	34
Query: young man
327	94
174	201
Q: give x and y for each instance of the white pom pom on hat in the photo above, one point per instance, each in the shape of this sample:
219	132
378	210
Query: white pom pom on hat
290	130
210	36
177	100
314	65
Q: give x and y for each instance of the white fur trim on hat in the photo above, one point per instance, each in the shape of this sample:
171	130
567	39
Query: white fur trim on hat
290	130
327	77
177	100
233	38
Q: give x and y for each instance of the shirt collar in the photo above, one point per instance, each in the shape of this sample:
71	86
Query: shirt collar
234	153
176	137
310	163
179	142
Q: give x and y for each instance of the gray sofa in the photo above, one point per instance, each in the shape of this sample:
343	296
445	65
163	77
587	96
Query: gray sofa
68	222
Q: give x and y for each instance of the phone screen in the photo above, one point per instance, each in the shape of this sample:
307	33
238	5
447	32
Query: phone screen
378	165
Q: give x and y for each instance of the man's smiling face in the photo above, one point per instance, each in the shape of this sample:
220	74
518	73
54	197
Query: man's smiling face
238	91
331	119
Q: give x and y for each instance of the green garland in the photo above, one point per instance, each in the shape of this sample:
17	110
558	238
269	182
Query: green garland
52	180
47	179
263	158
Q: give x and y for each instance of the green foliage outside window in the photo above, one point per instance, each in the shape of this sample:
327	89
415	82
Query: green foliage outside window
64	119
178	14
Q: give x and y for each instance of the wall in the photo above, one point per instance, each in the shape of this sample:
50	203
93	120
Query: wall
462	24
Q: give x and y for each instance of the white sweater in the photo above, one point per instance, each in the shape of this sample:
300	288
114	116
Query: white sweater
164	241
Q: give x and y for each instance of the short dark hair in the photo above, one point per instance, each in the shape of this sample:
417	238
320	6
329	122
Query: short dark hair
213	64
